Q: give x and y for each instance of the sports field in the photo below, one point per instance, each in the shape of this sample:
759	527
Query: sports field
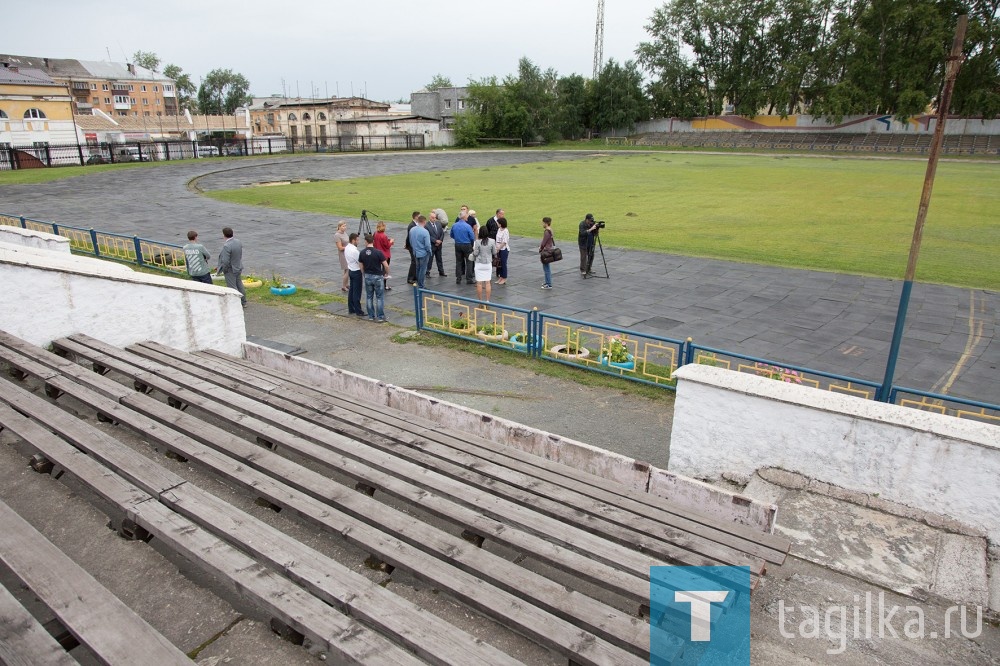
827	213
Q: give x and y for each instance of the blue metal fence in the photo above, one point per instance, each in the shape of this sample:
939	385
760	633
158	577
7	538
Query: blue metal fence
645	358
105	245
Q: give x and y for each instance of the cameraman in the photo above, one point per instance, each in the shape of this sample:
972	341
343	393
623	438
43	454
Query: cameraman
587	240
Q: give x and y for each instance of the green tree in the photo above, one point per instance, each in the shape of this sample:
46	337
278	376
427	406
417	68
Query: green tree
572	119
183	87
977	90
222	91
439	81
676	88
147	59
617	98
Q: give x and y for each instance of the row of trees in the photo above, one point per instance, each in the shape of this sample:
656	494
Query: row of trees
536	105
221	91
829	58
825	57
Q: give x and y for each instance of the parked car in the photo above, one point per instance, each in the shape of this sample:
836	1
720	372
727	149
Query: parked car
208	151
130	154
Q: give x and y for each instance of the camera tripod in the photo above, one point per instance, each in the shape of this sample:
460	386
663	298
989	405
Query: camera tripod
590	259
364	227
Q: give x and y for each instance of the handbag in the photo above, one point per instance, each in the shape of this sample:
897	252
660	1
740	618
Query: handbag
551	254
496	261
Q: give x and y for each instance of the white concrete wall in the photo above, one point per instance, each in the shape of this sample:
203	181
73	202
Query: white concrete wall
638	475
35	239
48	295
727	421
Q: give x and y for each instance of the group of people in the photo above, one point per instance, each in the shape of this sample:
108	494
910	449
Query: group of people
479	250
197	258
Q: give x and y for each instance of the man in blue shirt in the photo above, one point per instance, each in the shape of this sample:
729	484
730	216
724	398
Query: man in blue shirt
420	245
464	237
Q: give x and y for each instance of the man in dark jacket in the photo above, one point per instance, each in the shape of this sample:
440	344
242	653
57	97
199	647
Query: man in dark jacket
436	229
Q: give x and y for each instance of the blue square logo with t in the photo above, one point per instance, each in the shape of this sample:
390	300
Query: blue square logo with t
699	615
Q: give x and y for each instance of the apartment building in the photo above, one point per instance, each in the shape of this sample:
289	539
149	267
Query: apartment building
117	89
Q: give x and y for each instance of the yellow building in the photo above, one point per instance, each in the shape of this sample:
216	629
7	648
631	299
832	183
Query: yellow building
34	109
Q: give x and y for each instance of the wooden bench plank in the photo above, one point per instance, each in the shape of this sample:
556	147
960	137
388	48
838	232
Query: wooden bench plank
430	637
387	463
332	632
473	589
23	640
771	547
97	618
513	513
563	505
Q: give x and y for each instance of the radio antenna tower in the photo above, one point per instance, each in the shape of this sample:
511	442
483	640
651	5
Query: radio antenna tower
599	40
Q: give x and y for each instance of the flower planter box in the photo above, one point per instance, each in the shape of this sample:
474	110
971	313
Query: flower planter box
499	337
283	290
462	331
250	284
560	351
624	365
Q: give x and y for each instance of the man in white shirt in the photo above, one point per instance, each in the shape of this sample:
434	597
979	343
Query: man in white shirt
351	254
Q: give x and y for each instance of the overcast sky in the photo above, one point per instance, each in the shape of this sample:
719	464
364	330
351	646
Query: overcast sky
384	49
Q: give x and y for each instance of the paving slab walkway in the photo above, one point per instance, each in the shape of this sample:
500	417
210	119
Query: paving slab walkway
826	321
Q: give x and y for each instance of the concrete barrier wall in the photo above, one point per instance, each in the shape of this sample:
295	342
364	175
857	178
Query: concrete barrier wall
874	123
638	475
48	295
35	239
732	422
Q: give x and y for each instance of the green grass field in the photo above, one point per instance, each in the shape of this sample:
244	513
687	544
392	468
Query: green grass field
834	214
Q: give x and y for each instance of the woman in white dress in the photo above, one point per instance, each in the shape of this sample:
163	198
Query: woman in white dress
483	253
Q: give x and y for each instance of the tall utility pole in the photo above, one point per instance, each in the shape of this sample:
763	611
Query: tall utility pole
952	65
599	40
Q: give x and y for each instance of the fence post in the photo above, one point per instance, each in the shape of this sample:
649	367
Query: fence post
534	333
93	241
138	251
416	307
79	150
688	351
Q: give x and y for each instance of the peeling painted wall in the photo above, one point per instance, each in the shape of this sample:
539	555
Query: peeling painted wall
731	422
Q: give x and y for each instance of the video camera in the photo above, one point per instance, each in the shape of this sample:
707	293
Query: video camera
600	224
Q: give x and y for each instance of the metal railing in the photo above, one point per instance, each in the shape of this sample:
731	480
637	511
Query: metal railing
104	245
645	358
83	154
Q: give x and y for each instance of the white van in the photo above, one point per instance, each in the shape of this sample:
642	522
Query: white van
130	154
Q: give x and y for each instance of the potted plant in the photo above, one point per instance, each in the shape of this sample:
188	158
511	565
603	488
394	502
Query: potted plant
461	325
492	332
279	287
251	281
570	350
616	354
778	373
